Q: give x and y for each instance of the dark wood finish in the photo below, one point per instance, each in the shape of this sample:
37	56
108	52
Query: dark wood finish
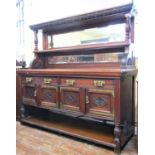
20	64
101	94
18	96
72	99
84	72
100	103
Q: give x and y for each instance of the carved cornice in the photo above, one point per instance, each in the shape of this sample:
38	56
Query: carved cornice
97	18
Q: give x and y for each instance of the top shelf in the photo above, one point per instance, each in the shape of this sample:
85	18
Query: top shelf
88	20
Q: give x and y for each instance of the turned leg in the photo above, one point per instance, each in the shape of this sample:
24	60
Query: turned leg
117	133
22	112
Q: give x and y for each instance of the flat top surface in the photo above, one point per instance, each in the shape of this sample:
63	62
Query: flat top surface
80	71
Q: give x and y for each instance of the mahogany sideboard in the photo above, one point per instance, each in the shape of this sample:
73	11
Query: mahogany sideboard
82	97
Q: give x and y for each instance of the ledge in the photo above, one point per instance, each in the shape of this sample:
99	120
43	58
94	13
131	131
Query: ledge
75	72
107	47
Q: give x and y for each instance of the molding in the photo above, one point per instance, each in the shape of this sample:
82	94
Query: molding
93	19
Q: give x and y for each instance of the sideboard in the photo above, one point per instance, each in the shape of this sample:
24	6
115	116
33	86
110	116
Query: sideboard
84	90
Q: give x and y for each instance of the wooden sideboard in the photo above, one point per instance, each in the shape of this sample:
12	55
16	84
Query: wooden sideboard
92	101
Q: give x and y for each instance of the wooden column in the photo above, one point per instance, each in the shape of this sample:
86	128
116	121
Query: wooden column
36	40
128	27
117	108
45	41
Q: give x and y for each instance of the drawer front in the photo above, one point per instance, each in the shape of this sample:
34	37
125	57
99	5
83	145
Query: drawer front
100	103
49	81
40	80
49	96
72	99
88	83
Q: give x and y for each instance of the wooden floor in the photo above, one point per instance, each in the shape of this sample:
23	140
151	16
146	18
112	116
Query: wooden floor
31	141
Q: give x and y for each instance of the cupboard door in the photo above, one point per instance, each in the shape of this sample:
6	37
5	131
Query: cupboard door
49	96
29	94
100	103
72	99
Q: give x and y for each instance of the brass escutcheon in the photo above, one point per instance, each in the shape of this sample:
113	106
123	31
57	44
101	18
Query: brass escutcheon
28	79
70	82
47	80
98	83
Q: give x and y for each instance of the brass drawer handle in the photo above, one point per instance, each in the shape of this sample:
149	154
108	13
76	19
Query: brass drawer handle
47	81
70	82
28	79
98	83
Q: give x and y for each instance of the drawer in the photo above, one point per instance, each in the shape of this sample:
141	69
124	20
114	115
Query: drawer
40	80
49	81
28	80
92	83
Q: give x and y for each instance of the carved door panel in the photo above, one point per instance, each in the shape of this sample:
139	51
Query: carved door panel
29	94
49	96
100	103
72	98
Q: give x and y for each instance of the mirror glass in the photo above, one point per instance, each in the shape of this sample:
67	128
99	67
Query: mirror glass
111	33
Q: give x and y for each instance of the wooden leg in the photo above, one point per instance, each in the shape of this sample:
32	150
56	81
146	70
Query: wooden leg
22	112
117	133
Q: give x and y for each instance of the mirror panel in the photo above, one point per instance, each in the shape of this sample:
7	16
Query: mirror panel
111	33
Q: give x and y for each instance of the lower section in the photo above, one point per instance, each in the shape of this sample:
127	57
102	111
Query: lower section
92	130
81	129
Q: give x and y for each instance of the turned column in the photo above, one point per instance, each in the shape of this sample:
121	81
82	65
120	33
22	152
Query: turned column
36	40
117	139
128	27
22	111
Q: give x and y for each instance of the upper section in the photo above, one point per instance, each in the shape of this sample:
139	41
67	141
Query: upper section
94	19
86	40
